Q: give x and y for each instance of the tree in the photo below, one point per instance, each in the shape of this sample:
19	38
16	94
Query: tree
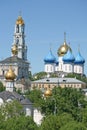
39	75
84	116
10	109
63	121
65	108
64	100
2	88
55	122
35	96
73	126
12	117
20	123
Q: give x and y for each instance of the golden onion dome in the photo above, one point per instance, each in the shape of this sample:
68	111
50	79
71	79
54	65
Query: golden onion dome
63	48
10	75
14	49
19	20
48	93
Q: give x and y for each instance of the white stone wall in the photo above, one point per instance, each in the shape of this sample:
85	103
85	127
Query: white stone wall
79	69
60	64
37	116
50	68
68	68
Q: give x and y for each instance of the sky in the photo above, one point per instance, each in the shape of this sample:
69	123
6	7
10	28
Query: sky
45	24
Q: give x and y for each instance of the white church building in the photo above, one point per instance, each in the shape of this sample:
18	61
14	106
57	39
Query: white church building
66	63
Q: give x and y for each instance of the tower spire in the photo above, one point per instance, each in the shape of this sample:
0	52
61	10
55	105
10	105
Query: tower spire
65	37
50	45
79	48
20	13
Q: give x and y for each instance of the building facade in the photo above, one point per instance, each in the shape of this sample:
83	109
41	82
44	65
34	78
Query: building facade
45	83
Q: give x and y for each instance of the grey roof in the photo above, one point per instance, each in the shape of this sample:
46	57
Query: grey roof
5	95
26	101
10	95
13	59
58	80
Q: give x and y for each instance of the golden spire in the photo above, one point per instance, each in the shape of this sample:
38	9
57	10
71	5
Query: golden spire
10	75
64	38
20	20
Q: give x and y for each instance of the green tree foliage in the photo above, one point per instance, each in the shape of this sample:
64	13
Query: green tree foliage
84	116
13	118
71	110
35	96
63	121
73	126
50	123
2	88
65	108
54	122
39	75
19	123
11	109
68	100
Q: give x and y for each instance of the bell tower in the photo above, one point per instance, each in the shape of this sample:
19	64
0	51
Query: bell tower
19	38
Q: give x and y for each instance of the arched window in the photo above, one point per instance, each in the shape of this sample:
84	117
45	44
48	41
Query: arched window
17	28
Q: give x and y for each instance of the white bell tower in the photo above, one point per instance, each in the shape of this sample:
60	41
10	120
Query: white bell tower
19	38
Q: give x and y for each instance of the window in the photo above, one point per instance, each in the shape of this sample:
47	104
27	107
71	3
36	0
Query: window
39	85
17	29
65	85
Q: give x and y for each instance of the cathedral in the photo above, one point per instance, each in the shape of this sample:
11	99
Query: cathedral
18	59
66	62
